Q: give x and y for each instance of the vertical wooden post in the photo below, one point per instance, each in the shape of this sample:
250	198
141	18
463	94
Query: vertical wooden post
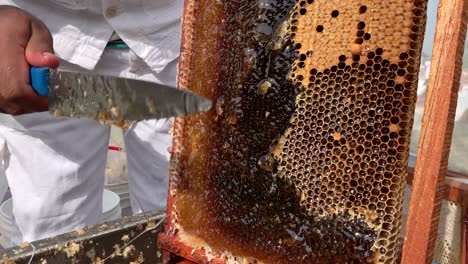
436	133
464	246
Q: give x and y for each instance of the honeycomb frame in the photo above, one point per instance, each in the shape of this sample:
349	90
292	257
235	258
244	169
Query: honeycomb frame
355	64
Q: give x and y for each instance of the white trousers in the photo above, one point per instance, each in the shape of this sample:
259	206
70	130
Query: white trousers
55	166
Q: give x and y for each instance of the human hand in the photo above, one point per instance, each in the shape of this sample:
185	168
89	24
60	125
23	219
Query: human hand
24	41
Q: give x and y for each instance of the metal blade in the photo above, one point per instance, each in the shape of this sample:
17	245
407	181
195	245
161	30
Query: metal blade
107	98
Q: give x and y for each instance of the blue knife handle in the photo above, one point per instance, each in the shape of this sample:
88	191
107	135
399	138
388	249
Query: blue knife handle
39	77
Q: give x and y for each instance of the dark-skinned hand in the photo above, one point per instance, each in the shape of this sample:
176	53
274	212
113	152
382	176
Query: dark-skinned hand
24	41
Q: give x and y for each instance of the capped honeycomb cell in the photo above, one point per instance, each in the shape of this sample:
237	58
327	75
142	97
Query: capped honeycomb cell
303	157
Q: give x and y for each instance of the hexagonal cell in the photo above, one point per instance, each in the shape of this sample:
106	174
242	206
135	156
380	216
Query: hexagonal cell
362	9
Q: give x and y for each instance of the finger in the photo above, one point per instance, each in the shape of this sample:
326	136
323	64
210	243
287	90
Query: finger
39	50
33	103
39	53
28	100
12	109
24	105
25	36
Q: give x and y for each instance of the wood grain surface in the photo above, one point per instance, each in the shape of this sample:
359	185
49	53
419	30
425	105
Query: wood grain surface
436	134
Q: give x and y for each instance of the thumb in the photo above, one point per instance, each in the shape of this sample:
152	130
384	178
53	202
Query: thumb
39	50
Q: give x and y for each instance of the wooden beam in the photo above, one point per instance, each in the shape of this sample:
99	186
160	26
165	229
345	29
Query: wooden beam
126	240
436	133
464	245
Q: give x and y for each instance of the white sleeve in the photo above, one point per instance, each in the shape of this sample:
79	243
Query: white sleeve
7	2
79	36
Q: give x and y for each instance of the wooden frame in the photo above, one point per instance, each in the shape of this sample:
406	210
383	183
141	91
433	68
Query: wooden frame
464	236
103	243
436	133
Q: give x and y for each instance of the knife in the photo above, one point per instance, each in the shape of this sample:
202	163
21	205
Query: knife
106	98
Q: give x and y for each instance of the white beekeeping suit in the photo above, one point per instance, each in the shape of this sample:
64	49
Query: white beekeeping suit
56	166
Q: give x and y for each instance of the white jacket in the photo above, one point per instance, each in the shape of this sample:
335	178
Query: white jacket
82	28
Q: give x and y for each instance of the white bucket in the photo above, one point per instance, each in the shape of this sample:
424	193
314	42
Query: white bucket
6	220
111	210
121	189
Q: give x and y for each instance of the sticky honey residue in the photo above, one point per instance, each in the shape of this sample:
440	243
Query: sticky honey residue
139	260
264	87
72	249
151	105
6	259
24	245
128	251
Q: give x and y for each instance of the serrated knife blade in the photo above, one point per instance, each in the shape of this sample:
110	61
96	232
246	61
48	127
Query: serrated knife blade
107	98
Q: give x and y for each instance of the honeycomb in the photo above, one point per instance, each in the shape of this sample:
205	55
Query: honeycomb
303	158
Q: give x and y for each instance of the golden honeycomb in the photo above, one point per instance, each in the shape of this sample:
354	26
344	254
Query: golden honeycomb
303	157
